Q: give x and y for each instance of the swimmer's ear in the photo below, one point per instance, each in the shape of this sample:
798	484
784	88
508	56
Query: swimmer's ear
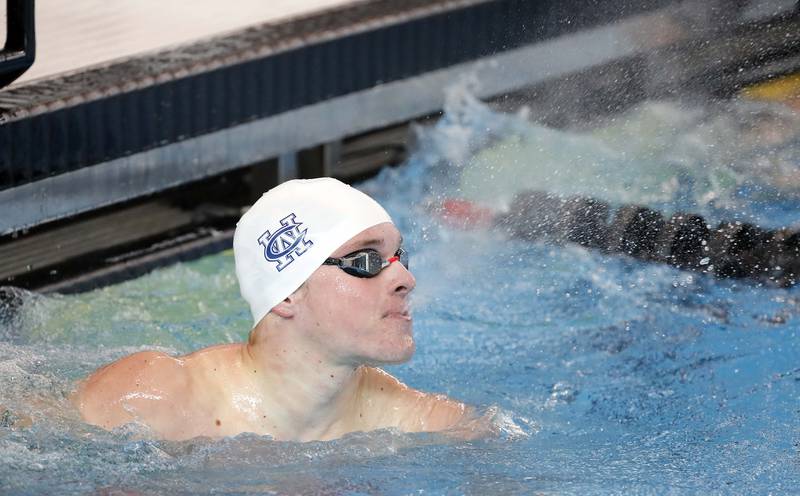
285	309
288	307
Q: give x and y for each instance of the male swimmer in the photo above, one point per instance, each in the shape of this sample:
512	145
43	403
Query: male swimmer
323	270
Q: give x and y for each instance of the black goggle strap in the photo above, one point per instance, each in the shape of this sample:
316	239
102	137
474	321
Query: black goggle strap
400	256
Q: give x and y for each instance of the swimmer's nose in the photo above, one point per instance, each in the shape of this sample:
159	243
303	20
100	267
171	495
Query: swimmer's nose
402	279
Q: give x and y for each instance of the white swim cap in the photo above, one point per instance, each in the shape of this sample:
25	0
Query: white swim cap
290	231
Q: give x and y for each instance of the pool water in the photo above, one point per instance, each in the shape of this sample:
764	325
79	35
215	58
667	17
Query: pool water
604	375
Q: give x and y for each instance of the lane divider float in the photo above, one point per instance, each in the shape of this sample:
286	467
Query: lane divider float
683	240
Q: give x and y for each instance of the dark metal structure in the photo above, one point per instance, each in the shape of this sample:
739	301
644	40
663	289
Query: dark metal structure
19	50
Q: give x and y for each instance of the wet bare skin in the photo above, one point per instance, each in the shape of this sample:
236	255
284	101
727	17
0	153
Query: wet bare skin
181	398
306	373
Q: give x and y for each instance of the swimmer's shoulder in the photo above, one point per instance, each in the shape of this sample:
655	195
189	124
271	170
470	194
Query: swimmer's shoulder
136	384
388	402
174	396
138	369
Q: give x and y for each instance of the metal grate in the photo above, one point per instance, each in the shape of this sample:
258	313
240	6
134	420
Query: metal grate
100	115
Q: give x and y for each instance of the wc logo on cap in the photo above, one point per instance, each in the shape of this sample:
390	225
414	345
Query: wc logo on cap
286	243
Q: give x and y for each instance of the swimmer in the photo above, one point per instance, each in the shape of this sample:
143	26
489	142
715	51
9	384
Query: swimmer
323	269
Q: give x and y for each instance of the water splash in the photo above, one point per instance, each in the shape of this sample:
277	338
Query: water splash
725	159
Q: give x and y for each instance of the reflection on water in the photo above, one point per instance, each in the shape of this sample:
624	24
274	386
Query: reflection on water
608	375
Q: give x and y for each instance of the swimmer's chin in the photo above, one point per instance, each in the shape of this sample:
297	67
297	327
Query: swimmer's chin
398	322
396	356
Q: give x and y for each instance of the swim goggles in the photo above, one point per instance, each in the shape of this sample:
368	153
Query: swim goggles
367	263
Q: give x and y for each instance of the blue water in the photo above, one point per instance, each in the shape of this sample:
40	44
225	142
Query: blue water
604	375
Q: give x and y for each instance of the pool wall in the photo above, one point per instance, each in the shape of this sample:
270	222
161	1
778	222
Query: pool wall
294	99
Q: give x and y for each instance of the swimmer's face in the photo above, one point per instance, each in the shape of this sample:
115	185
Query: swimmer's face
363	320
